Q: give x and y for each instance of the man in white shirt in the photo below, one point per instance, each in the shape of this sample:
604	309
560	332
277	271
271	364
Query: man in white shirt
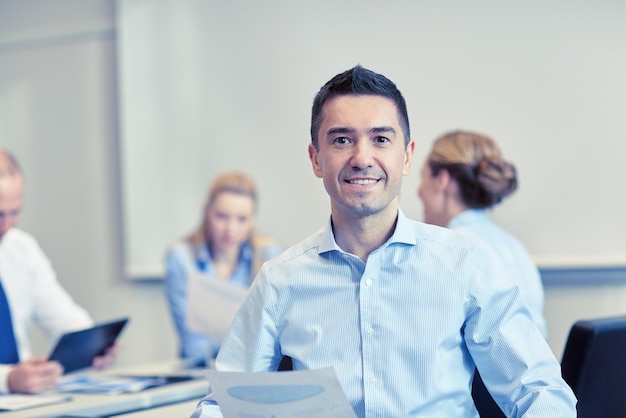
33	295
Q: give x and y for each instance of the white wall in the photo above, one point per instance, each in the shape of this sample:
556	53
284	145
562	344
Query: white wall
58	113
211	86
565	305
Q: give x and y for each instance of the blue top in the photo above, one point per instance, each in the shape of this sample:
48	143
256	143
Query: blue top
514	255
181	260
404	330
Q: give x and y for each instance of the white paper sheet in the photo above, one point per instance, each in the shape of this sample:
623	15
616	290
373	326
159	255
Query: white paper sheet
111	385
212	305
303	393
16	402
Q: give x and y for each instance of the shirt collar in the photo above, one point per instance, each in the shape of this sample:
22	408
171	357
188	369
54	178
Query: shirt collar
468	217
401	234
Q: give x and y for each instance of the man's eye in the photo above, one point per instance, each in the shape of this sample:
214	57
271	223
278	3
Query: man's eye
341	140
381	139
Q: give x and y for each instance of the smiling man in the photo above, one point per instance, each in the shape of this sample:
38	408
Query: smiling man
361	155
404	311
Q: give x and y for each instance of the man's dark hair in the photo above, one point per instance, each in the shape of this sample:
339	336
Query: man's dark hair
355	82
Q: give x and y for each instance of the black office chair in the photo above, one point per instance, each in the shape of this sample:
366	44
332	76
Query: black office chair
594	365
486	406
285	364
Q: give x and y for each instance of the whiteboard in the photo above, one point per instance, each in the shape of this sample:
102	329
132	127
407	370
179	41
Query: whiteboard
208	86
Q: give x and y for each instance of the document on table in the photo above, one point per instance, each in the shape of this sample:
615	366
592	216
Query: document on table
111	385
15	402
212	305
302	393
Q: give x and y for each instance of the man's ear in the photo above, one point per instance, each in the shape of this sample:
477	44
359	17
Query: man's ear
408	158
314	157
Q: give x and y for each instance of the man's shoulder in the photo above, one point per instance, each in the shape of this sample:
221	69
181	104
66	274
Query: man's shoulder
302	248
18	247
19	239
438	235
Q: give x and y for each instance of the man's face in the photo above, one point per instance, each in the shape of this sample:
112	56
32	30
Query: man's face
11	191
362	157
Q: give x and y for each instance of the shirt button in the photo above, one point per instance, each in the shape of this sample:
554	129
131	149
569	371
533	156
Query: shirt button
370	330
373	379
368	282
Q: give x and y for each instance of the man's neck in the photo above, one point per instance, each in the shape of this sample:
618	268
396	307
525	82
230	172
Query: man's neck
361	235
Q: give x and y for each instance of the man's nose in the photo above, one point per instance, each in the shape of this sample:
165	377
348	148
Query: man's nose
362	155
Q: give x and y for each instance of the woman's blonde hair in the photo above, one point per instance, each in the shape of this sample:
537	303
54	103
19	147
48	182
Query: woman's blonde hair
475	162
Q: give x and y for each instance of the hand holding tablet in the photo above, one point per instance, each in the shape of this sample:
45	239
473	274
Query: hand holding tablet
76	350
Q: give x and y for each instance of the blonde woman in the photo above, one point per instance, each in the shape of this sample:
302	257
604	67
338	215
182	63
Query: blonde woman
224	247
465	175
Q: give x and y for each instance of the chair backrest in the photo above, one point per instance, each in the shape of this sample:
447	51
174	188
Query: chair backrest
285	364
485	404
594	365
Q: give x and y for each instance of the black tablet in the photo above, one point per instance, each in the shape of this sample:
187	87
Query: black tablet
76	350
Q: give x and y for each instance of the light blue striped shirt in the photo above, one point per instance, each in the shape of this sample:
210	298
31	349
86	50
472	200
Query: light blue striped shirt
513	254
404	331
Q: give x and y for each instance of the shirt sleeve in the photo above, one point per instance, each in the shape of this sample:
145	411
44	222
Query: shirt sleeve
514	360
252	342
192	344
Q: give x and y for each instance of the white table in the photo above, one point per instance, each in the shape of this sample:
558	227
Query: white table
97	405
181	409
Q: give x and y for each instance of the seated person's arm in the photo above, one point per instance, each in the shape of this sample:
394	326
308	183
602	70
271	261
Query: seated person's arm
33	376
514	360
193	345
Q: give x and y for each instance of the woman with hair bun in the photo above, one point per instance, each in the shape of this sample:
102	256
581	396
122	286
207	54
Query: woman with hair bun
463	176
